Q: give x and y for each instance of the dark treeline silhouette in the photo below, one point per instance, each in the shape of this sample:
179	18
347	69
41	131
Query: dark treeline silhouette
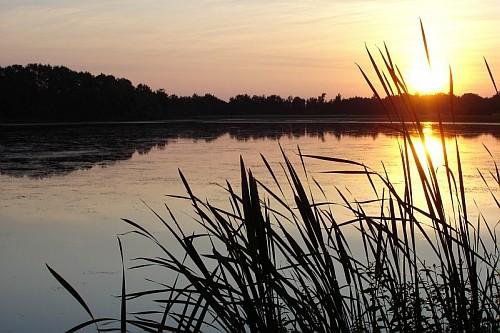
44	93
39	151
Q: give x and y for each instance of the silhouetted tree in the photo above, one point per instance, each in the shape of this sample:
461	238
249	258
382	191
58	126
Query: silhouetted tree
54	93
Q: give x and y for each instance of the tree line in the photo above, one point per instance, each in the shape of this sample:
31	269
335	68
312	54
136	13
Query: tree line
37	92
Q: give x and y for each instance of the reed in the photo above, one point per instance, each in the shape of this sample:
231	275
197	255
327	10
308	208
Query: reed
279	260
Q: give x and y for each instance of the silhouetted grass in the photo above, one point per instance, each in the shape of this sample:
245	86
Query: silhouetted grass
491	75
277	265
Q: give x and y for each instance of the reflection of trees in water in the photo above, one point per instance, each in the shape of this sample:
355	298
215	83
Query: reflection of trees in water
42	151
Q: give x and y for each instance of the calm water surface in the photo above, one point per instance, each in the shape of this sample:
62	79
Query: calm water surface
64	190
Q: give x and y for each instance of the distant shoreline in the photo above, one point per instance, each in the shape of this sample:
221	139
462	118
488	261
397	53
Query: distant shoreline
54	94
253	120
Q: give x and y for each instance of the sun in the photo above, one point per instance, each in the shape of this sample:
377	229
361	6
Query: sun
423	79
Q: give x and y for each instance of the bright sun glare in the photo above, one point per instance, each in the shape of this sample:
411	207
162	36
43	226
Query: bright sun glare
425	80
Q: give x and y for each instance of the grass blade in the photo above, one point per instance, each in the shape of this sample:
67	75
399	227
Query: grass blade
491	75
424	39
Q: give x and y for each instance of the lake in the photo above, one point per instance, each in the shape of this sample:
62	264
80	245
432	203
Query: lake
65	188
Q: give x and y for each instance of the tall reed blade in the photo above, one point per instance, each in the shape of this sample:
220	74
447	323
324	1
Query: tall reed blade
425	43
123	311
72	291
491	75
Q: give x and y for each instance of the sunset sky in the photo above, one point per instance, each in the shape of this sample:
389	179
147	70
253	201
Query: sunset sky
226	47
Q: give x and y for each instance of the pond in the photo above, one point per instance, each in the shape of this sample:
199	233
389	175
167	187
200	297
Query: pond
65	189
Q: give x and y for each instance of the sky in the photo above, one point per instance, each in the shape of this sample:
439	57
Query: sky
227	47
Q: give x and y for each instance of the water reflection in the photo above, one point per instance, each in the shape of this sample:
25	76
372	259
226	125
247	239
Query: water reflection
43	151
431	144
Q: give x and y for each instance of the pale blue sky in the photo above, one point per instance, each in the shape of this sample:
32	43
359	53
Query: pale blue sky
260	47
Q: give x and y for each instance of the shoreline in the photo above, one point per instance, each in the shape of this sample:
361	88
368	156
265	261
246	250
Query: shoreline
252	120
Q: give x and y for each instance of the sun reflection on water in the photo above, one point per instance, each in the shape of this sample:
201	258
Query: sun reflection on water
432	145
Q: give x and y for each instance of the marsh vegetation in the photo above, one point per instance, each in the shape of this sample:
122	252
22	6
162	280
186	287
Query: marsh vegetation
277	258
